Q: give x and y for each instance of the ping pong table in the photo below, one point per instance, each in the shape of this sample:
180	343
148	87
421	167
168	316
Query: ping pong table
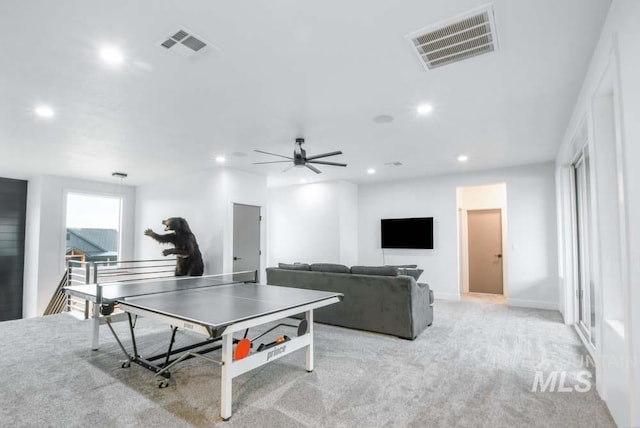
216	307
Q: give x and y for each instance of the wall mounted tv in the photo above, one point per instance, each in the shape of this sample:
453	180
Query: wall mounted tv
407	233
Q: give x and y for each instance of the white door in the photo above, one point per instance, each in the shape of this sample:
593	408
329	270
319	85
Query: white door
246	238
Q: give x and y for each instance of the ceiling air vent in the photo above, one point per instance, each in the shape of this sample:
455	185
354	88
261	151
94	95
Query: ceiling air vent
168	43
185	43
457	39
193	43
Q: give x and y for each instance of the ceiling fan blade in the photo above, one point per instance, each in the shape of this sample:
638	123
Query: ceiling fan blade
327	163
260	163
314	169
324	155
288	168
272	154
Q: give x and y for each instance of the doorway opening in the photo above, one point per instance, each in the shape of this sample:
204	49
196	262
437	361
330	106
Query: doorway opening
92	227
482	242
246	238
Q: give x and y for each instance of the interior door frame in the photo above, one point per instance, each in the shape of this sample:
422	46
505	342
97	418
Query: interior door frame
463	215
227	256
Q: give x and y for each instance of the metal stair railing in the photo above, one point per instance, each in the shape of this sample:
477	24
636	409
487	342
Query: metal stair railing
58	301
93	272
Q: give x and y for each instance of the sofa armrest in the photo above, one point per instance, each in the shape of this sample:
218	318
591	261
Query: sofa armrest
429	291
421	307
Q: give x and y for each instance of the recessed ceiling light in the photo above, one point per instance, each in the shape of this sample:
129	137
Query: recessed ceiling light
463	158
44	111
371	171
303	181
425	108
111	55
220	159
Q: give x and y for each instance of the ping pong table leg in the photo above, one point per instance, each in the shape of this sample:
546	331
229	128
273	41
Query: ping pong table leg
309	359
226	376
95	325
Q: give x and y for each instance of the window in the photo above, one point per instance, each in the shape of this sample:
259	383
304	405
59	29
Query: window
93	227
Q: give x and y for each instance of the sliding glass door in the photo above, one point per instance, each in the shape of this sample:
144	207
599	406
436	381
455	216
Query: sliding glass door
584	283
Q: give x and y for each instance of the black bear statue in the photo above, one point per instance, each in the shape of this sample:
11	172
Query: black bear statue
185	247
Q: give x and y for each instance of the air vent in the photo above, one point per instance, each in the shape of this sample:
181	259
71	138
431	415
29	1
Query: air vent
168	43
180	35
185	43
393	164
457	39
193	43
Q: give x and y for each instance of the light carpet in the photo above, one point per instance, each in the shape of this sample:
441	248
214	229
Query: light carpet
474	367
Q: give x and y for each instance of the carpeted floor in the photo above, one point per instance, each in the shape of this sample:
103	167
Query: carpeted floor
474	367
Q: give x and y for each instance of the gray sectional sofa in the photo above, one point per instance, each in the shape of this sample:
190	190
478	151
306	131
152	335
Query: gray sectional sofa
376	298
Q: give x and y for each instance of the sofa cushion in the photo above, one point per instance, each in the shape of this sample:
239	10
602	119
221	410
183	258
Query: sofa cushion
375	270
294	266
404	266
415	273
330	267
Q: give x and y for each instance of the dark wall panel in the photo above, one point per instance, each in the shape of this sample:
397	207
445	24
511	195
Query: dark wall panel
13	209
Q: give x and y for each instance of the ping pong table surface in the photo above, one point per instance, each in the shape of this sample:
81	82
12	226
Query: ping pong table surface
216	307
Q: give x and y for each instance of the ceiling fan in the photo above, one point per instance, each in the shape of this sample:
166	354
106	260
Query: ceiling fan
300	158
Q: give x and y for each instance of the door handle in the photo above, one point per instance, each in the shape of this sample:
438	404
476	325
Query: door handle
237	258
498	255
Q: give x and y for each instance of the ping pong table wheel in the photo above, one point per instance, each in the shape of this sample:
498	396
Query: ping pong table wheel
107	309
125	364
163	383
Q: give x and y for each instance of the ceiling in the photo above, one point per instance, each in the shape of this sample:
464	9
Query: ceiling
282	69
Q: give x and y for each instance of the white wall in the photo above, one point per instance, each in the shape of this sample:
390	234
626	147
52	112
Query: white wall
628	13
532	265
32	248
348	207
485	197
205	199
45	237
313	223
618	348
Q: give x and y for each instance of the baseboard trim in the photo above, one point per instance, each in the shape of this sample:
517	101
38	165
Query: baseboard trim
446	296
536	304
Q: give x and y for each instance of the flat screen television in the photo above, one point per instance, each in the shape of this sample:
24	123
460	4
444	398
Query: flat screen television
408	233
